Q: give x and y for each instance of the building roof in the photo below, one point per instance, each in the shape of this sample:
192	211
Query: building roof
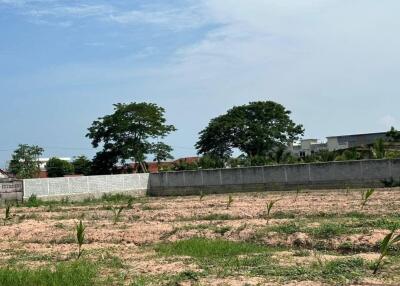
356	135
4	173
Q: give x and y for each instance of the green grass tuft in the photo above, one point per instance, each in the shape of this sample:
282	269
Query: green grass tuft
80	273
204	248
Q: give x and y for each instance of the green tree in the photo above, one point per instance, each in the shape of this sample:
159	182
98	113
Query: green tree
82	165
393	135
379	150
256	129
162	152
25	161
58	168
127	133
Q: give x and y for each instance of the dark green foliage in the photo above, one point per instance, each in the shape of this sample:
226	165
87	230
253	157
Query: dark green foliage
82	165
210	162
162	152
25	161
393	135
255	129
379	149
126	134
79	273
59	168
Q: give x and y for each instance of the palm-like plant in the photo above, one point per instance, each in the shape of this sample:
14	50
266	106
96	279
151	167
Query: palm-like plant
201	195
270	205
365	195
230	201
7	215
389	240
117	213
80	237
297	194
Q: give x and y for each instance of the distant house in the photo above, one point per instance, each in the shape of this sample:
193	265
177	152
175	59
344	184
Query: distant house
3	174
308	147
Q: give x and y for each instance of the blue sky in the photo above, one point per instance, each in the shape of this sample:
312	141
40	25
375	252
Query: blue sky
334	63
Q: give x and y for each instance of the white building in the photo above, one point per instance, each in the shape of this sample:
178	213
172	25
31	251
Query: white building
307	147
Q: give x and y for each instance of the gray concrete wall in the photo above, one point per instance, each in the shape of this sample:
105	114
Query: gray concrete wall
81	187
365	173
10	190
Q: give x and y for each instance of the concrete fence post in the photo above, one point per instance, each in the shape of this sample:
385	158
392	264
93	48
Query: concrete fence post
48	187
87	185
362	171
309	173
220	177
390	169
286	176
202	177
69	186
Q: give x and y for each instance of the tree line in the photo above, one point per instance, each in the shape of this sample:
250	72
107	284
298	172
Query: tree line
260	131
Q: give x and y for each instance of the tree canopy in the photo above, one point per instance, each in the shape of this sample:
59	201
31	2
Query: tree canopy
129	132
256	129
25	161
82	165
58	168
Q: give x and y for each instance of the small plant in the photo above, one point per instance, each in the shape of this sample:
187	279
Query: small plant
80	237
297	194
201	195
386	244
117	213
270	205
7	215
130	203
230	201
365	195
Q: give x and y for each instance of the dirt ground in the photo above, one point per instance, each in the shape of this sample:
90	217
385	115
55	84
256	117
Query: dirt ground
44	235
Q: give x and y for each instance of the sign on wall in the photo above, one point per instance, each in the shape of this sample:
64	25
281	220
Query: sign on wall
11	190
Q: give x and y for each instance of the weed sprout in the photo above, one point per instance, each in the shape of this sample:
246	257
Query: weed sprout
365	195
80	237
230	201
386	244
117	213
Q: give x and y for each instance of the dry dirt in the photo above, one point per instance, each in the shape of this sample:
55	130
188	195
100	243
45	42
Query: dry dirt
47	233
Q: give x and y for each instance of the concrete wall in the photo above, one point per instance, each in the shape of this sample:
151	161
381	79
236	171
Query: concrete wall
81	187
10	190
366	173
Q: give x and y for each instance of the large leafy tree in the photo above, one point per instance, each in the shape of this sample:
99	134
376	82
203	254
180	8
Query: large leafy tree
82	165
127	134
25	161
256	129
58	168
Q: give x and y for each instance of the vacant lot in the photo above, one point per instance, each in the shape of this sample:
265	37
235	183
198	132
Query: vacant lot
309	238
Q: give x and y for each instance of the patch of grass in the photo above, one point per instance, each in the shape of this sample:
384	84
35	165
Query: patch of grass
329	230
344	270
287	228
216	217
204	248
80	273
222	230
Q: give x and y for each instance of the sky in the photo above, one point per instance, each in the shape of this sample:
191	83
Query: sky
334	63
